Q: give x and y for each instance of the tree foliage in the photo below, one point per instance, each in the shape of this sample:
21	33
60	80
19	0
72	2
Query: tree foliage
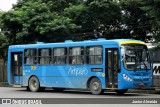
57	20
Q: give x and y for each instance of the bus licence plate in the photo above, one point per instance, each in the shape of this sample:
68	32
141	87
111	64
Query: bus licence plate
141	84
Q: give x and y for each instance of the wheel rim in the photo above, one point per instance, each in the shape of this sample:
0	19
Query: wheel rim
34	84
96	86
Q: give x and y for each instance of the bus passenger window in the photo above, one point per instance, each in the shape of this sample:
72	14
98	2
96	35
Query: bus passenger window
76	55
29	60
44	56
30	56
59	55
94	55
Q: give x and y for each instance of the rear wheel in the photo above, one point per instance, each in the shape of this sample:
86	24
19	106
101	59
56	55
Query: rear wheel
121	92
34	84
96	86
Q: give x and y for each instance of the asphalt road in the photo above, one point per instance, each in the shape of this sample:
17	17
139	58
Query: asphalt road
22	93
8	92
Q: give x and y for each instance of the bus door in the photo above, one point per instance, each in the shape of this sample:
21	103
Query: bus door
16	67
112	67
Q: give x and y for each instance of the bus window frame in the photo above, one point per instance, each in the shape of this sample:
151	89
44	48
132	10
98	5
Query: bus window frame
102	62
66	61
84	49
149	58
24	60
38	56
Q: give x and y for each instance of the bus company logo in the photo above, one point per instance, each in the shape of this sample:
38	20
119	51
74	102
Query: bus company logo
77	71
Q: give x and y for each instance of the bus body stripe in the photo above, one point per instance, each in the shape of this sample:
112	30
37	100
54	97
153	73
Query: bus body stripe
131	42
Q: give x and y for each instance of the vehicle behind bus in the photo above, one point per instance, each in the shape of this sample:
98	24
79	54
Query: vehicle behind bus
154	49
96	65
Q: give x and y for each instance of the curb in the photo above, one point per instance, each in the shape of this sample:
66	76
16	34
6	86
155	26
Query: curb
144	91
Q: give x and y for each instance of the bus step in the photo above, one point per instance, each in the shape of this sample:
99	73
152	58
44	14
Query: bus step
16	86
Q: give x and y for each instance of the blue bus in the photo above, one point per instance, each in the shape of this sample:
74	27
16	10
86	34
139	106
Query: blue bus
97	65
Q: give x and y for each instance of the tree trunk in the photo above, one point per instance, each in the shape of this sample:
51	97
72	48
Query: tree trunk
3	70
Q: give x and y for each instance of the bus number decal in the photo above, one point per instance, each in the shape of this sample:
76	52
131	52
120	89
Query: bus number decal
33	67
77	71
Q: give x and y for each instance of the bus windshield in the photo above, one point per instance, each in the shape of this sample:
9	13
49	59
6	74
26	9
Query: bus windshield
135	57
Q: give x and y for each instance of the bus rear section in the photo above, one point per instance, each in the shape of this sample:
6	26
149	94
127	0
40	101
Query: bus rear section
15	67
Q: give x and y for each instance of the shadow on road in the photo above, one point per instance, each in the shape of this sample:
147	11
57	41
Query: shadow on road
82	92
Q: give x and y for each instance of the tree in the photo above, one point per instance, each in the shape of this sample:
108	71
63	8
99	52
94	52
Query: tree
97	18
58	20
135	19
153	11
11	24
34	20
3	52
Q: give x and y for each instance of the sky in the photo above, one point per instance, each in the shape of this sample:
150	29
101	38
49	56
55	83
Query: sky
6	5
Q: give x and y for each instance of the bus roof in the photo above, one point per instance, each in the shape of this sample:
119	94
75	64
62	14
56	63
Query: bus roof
100	41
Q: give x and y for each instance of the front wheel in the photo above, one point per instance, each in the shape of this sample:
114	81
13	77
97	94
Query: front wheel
34	84
121	92
96	86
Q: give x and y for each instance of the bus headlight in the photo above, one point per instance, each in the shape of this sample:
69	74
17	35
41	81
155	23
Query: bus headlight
125	77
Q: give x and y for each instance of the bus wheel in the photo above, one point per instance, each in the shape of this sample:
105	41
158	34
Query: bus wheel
58	89
96	86
121	92
34	84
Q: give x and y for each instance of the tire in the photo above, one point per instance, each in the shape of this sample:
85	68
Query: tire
96	86
121	92
58	89
34	84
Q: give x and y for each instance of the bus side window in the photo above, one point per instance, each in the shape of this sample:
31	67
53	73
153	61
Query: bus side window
44	56
30	56
59	55
94	55
76	55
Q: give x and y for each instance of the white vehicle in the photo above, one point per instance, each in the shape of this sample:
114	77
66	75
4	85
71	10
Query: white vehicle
155	56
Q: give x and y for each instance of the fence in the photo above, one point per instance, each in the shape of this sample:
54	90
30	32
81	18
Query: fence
3	71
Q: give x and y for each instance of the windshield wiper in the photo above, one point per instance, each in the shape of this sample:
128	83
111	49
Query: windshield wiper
142	62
